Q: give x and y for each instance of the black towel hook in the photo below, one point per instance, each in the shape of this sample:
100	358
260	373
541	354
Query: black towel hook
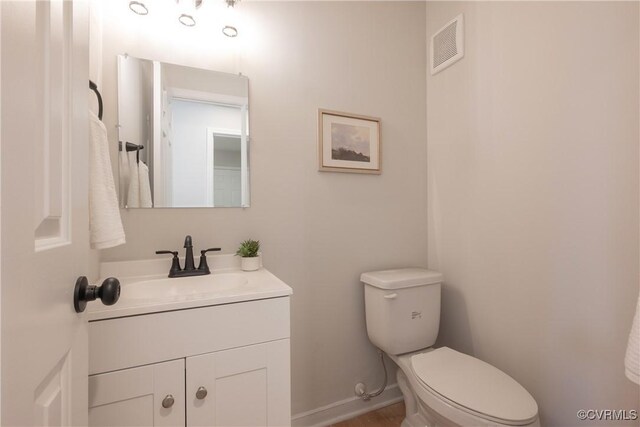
94	87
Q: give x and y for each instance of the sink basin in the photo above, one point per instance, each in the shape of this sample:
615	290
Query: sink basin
183	287
146	288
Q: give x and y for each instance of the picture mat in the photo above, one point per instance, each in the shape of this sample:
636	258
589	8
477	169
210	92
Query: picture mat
328	161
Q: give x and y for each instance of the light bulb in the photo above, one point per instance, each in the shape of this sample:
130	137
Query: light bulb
138	7
230	31
187	11
187	20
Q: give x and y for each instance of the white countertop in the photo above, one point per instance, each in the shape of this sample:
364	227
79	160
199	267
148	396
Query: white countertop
261	284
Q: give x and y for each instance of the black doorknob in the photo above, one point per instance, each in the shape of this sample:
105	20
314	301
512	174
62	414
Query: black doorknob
108	293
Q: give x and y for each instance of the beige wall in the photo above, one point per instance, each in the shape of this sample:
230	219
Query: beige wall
319	230
533	196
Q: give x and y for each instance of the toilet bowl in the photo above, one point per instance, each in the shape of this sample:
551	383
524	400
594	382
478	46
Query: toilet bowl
440	386
462	391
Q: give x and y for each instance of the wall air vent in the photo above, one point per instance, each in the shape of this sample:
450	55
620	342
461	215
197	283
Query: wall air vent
447	45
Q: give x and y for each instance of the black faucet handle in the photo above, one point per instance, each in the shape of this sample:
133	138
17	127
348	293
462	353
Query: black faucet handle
174	253
203	259
210	250
175	262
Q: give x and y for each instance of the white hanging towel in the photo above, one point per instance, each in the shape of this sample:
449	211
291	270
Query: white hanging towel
105	225
133	193
632	359
123	172
145	186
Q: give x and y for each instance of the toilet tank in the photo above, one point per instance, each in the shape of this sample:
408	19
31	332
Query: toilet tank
402	308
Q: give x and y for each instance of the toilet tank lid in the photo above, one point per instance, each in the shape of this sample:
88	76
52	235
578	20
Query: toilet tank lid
401	278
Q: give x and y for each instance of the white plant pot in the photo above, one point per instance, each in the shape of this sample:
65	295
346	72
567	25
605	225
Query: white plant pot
250	264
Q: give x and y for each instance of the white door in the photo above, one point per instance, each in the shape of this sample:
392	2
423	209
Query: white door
227	187
246	386
151	395
45	247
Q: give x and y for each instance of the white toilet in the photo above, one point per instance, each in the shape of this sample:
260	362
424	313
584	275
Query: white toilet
441	387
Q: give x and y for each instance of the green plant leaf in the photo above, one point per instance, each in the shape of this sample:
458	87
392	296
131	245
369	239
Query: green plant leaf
249	248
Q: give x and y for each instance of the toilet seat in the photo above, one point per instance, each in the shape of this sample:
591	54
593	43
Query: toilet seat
474	386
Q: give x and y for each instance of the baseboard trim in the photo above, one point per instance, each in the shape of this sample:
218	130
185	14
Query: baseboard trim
346	409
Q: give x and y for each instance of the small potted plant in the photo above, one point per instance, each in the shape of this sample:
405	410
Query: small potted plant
249	253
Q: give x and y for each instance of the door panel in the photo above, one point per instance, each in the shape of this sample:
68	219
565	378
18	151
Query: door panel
134	397
247	386
135	412
227	187
51	395
241	399
44	230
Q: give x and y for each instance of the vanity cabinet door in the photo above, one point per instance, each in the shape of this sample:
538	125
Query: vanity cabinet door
151	395
246	386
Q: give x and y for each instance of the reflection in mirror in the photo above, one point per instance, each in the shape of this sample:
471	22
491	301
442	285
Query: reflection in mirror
184	136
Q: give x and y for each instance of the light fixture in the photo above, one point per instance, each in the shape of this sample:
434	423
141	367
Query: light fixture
230	31
187	10
138	7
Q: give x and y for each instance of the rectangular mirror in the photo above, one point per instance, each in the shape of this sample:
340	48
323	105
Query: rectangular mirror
185	128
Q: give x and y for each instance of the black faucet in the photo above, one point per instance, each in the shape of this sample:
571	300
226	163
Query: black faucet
188	257
189	267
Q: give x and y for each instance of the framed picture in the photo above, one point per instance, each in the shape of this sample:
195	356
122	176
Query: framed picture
349	143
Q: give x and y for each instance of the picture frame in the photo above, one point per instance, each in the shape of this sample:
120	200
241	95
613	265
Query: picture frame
349	143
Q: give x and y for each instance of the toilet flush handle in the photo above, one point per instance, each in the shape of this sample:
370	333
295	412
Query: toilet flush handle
391	296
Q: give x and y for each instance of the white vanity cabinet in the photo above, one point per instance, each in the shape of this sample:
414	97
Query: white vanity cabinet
221	365
135	397
245	386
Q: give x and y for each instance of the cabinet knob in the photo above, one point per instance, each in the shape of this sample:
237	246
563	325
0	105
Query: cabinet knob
201	393
168	401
